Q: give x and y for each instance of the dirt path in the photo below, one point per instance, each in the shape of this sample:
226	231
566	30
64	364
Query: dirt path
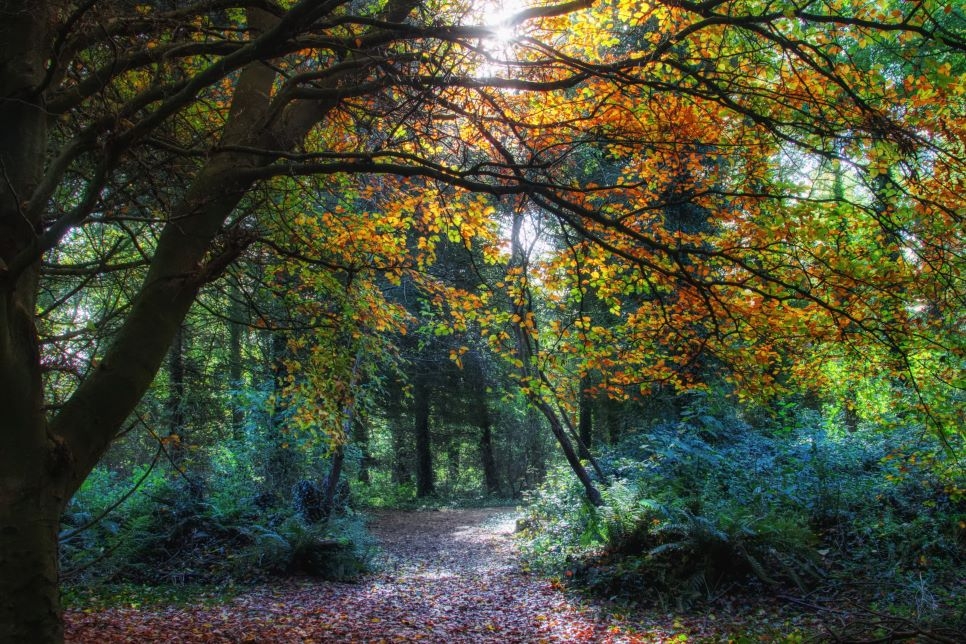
445	542
444	576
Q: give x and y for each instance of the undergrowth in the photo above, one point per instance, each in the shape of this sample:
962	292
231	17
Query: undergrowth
697	509
221	530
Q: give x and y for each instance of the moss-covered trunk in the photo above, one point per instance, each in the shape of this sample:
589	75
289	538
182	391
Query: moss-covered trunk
44	460
29	589
31	462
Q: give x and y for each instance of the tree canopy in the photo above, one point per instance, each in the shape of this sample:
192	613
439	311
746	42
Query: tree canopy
647	192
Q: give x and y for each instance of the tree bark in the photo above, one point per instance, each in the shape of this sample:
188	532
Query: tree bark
332	482
612	421
236	329
32	461
491	480
585	423
348	421
360	436
280	472
536	455
43	463
29	591
425	483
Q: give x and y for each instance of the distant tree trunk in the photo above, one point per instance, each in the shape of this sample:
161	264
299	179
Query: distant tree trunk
236	330
332	481
530	373
280	474
402	471
360	436
176	402
345	429
491	481
850	413
453	459
612	421
400	432
585	423
536	456
425	485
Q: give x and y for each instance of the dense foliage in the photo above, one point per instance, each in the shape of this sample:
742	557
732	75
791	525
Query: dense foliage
222	530
259	256
718	503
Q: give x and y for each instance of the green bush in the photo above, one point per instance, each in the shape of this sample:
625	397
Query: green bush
172	531
696	505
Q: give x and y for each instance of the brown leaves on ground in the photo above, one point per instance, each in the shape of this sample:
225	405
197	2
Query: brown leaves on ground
446	576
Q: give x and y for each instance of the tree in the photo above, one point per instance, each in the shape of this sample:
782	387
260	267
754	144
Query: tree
155	135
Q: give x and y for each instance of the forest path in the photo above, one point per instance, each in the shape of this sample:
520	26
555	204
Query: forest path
443	576
446	576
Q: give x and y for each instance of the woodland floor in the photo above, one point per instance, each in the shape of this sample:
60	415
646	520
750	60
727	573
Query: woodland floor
444	576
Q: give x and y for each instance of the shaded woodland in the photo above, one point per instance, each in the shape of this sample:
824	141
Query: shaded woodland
682	281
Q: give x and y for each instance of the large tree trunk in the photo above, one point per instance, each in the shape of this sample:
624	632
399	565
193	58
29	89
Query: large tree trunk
32	490
29	590
43	463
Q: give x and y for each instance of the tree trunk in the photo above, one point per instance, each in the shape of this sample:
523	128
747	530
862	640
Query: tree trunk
536	455
585	424
425	484
332	482
453	461
491	481
612	420
402	473
33	463
280	473
236	330
400	431
29	590
360	436
348	422
530	374
176	403
41	463
590	490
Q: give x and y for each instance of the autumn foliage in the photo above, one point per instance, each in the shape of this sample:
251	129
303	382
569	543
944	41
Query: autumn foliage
649	195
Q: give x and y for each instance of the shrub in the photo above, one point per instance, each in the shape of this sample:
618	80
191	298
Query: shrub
695	505
171	530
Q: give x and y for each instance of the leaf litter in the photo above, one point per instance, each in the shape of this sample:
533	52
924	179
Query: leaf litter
443	576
